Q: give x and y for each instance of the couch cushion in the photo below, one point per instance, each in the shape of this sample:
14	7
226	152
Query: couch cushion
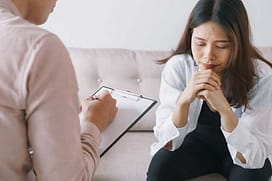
128	159
135	71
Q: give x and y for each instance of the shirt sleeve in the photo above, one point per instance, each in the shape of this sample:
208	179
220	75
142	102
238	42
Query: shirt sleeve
253	136
170	90
62	150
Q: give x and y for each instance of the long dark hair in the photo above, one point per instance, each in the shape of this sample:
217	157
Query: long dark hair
238	78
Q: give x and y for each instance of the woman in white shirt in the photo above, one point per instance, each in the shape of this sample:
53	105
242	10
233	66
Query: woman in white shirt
216	101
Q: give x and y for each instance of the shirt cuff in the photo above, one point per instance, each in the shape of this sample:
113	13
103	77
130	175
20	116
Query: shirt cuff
225	133
235	143
239	137
176	142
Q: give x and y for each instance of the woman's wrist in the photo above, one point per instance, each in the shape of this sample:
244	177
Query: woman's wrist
180	115
229	120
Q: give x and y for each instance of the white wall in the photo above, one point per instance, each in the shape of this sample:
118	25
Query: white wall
139	24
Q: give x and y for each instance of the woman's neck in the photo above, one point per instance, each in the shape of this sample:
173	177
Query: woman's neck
22	6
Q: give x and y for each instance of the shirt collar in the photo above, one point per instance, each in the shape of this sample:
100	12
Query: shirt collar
10	6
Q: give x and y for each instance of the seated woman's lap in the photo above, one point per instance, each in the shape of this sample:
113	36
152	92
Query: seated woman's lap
196	158
192	159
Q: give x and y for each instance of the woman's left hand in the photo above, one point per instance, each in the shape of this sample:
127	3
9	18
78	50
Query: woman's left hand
215	99
217	102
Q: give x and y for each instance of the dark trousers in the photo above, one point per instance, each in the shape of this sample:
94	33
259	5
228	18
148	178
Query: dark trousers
202	154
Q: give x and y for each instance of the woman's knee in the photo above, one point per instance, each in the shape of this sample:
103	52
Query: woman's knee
161	166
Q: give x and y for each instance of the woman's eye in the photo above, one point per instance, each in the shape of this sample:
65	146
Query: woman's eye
200	44
223	46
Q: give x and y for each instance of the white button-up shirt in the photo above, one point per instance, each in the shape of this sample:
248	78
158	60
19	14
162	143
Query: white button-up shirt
253	134
39	106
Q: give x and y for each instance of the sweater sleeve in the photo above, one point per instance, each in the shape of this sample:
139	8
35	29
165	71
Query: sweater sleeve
62	150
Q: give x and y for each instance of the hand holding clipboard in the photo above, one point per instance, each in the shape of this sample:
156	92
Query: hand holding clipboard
131	107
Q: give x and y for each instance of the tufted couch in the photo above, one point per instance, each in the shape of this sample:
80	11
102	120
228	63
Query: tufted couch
135	71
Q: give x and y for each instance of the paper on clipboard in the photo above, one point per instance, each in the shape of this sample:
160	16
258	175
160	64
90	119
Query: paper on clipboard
131	108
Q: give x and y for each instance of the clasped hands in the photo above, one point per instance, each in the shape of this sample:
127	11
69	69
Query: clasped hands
206	85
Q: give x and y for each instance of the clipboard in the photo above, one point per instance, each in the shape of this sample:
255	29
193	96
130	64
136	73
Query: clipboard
131	108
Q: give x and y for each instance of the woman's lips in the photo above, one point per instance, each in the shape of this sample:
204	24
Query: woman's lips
208	66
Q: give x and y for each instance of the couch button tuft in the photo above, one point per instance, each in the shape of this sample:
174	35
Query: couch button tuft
99	80
139	80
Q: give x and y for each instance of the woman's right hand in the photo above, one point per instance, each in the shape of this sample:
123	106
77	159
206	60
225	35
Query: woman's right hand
201	80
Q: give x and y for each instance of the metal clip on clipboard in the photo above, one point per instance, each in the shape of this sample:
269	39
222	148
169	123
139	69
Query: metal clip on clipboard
126	94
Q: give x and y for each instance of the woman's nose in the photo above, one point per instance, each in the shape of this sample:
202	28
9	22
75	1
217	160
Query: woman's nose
209	54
